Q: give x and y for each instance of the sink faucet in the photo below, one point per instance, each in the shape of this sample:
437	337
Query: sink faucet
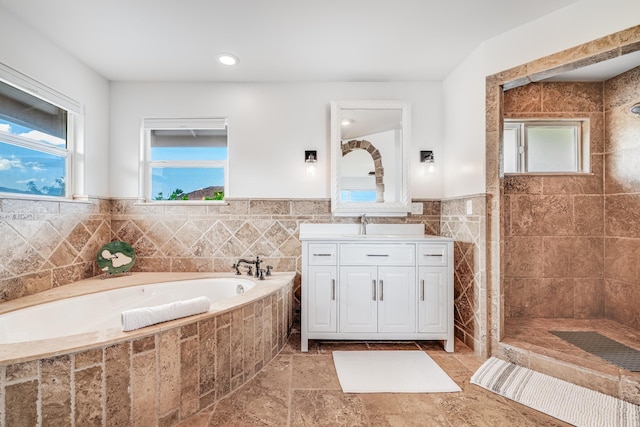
363	224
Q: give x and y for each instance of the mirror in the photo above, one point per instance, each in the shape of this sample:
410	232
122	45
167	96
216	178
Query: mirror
369	152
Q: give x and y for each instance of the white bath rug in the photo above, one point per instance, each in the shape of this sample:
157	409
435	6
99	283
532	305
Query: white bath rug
560	399
390	372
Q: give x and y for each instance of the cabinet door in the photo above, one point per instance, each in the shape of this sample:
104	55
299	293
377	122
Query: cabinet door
396	299
432	299
358	299
321	299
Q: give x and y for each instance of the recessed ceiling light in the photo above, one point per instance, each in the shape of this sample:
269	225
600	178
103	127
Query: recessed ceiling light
346	122
227	59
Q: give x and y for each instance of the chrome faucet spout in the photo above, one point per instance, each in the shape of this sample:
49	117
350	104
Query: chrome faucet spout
363	224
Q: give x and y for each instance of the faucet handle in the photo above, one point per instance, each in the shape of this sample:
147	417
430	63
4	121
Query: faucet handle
249	271
235	267
269	267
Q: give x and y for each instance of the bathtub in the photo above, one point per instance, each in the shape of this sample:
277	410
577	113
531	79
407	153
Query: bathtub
63	362
101	311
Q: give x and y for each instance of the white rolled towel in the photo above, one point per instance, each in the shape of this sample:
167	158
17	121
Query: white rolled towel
140	317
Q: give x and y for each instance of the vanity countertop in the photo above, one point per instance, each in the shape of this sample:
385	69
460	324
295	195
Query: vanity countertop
375	232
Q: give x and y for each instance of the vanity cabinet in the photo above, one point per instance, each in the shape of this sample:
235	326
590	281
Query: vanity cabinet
433	288
376	288
321	288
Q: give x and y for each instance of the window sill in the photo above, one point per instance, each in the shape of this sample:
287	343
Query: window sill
549	174
182	203
36	198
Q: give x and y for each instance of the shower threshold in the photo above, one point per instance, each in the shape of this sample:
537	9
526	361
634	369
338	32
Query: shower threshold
529	343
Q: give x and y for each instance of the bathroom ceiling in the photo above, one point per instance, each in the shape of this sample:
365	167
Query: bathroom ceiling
276	40
600	71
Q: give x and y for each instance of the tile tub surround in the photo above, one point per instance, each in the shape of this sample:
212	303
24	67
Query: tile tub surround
158	375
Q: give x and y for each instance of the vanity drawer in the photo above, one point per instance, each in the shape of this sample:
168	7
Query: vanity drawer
322	254
394	254
432	254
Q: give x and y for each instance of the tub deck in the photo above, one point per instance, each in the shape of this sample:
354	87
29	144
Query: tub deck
26	351
158	375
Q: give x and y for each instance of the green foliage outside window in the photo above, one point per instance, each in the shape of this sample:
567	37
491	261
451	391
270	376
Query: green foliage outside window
178	194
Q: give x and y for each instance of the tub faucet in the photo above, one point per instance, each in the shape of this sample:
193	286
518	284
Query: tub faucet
363	224
249	264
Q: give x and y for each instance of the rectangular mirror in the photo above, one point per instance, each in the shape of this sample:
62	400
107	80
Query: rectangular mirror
370	141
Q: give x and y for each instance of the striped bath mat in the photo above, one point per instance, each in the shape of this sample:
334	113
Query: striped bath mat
560	399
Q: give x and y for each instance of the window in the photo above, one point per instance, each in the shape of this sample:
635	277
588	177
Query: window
545	147
184	159
36	137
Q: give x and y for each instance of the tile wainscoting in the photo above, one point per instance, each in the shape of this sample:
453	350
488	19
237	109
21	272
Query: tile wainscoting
46	244
55	243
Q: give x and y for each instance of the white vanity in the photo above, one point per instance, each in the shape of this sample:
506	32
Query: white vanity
392	283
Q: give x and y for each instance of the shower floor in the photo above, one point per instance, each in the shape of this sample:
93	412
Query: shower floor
529	343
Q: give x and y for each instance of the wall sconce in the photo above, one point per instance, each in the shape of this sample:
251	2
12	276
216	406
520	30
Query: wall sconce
310	160
428	161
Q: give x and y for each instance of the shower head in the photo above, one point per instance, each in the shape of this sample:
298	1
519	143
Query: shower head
636	109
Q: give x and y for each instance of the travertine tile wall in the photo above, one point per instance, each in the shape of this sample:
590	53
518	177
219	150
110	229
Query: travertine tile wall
554	245
158	380
212	238
46	244
469	249
622	199
607	47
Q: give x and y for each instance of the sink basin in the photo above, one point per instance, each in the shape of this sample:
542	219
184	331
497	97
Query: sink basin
352	231
380	236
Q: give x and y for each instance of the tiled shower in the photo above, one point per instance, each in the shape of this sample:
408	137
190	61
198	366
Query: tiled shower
572	242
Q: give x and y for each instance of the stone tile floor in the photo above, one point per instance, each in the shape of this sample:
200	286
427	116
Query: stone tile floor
302	389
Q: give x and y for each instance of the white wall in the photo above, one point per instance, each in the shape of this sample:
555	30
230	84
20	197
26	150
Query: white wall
464	89
26	51
270	126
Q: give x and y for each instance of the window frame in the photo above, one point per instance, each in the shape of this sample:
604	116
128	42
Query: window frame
146	164
581	141
74	166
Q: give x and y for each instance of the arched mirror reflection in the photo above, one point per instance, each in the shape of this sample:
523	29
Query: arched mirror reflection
369	160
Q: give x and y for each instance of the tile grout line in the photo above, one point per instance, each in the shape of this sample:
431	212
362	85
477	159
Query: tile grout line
290	391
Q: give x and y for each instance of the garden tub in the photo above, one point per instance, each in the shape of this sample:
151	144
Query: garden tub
65	356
